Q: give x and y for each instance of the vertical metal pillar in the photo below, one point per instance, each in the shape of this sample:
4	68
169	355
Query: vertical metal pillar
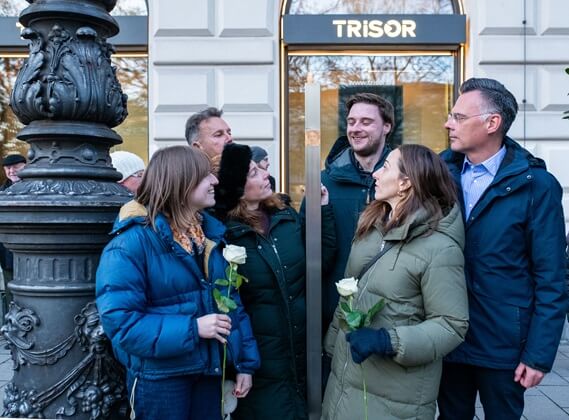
56	220
313	248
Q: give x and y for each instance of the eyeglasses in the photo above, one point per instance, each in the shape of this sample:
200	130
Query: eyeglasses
458	118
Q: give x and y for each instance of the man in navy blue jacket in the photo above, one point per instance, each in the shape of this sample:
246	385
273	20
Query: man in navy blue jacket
514	257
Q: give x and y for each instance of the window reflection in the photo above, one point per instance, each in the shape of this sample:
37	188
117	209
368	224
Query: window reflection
130	8
329	7
12	7
132	74
9	124
122	8
419	86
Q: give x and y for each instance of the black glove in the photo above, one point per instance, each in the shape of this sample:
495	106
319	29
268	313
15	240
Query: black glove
366	341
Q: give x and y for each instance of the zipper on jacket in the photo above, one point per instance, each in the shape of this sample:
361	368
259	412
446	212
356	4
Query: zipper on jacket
291	332
342	380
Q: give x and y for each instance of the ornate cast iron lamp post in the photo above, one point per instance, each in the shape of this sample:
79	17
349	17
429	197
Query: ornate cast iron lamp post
57	218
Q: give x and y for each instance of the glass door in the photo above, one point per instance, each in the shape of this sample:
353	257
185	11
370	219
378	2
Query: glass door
420	85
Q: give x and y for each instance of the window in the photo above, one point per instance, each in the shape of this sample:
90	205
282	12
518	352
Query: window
12	7
420	87
131	61
385	7
130	8
419	77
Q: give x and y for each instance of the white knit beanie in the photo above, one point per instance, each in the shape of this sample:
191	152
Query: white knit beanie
127	163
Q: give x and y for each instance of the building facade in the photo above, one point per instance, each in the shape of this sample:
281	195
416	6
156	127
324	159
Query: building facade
235	55
249	59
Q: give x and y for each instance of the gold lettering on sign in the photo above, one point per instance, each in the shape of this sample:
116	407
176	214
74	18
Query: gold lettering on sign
375	28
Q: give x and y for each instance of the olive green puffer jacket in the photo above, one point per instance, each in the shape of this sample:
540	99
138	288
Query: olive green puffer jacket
426	314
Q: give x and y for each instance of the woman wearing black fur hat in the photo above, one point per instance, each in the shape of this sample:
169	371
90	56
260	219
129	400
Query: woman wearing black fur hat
274	297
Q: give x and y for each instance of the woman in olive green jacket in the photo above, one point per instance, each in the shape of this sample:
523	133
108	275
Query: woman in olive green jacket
421	279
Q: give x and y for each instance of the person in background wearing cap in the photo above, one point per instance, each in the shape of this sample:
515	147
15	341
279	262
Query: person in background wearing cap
131	168
12	165
261	158
207	131
275	295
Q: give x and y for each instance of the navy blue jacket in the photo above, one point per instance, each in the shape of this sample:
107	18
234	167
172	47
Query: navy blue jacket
150	292
514	269
351	190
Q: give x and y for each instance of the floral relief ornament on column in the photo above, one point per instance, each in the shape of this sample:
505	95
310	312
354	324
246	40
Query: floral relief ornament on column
80	83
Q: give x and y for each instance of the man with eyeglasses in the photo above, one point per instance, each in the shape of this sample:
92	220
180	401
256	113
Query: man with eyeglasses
514	259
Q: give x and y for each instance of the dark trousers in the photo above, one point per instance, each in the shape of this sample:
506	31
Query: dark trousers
501	397
192	397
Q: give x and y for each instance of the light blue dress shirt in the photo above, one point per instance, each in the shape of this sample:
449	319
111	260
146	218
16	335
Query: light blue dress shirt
476	178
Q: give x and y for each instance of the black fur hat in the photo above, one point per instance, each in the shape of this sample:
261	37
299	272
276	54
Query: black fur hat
233	170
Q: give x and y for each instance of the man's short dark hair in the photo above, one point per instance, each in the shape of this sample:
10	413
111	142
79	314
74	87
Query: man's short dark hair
193	123
384	107
499	99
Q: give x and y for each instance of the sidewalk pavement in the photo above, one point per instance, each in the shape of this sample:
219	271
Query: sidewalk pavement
550	400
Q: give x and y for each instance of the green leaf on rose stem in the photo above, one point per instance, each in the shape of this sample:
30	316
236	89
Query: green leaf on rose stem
373	311
219	302
224	304
239	279
228	272
229	303
345	308
222	282
354	319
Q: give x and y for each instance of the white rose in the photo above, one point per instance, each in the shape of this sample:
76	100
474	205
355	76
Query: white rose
347	287
235	254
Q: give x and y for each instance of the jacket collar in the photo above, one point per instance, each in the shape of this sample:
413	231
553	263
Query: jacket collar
237	229
341	164
418	224
134	213
517	161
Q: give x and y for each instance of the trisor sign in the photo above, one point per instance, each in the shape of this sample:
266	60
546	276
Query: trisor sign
374	28
415	29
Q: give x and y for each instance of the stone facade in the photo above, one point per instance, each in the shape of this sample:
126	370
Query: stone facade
225	53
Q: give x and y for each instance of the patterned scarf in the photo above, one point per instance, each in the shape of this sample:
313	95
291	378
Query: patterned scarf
192	239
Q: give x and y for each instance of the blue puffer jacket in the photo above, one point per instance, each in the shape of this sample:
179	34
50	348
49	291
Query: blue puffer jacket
514	270
150	292
351	190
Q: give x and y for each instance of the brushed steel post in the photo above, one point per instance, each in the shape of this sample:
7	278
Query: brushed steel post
313	248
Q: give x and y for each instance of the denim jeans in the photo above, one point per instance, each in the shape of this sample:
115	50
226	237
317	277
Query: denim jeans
191	397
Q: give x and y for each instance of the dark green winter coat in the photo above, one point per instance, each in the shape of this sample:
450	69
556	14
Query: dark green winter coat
275	300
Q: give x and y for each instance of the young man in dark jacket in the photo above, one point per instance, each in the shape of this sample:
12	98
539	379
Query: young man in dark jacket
514	259
347	176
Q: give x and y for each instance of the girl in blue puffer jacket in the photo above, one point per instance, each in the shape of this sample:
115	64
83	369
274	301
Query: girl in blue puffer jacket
154	294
